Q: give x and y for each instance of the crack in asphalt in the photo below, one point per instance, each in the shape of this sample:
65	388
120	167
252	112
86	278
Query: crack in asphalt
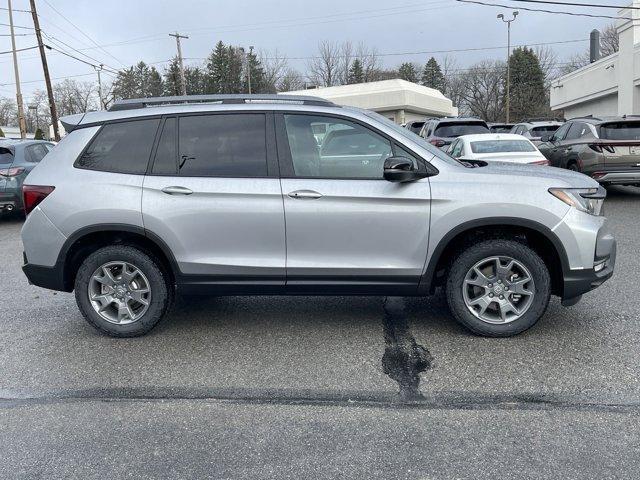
404	359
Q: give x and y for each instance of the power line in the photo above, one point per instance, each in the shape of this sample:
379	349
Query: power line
573	14
17	50
79	59
574	4
16	26
57	40
82	32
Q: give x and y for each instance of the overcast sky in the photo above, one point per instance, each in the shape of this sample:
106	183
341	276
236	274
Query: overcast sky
139	29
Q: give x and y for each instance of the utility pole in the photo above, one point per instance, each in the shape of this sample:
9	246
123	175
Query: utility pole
45	68
21	120
249	68
182	79
508	22
98	70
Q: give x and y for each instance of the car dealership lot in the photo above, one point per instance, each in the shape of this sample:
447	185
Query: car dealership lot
296	386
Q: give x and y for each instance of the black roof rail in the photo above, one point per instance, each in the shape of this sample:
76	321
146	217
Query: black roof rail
586	117
136	103
542	119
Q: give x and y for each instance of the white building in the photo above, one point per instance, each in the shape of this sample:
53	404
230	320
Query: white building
398	100
609	86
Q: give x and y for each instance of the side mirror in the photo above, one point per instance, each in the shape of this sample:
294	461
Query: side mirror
401	169
545	138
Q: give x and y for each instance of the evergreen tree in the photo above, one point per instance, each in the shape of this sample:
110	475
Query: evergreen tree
216	69
528	96
258	80
356	72
194	78
39	135
234	80
138	81
432	76
408	72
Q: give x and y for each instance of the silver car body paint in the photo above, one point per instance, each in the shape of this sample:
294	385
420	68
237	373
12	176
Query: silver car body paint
359	227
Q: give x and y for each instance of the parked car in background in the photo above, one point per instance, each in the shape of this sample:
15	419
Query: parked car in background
497	147
415	126
534	130
500	127
442	131
187	194
607	149
17	159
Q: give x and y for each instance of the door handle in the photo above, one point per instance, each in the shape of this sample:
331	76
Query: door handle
305	194
175	190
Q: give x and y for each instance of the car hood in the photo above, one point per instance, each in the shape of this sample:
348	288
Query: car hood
554	177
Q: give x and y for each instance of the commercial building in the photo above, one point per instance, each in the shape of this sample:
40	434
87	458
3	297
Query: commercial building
397	99
610	85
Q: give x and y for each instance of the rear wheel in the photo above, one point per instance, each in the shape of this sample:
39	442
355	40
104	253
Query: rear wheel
498	288
573	166
122	291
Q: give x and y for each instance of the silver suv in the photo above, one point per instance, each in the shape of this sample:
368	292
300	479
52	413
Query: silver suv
237	195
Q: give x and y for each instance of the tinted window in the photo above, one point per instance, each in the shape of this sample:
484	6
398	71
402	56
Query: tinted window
502	146
620	131
456	151
500	128
122	147
166	155
577	130
560	132
229	145
35	153
416	127
347	150
6	156
459	128
545	130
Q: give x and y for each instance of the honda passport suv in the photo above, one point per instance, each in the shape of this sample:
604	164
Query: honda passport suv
240	195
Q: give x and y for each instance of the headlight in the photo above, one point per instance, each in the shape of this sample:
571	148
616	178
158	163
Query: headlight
588	200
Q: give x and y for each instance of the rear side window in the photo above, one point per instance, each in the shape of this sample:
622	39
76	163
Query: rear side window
620	131
123	147
6	157
416	127
546	130
459	128
223	145
35	153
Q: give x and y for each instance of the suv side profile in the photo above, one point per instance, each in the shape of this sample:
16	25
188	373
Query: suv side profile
607	149
234	195
440	132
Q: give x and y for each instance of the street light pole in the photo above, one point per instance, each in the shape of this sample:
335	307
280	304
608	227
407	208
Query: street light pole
508	22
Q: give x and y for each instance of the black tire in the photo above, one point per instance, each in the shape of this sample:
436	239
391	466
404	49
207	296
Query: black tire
573	166
161	293
473	254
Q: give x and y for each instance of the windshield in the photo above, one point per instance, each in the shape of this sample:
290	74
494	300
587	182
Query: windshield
620	131
502	146
546	130
409	135
459	128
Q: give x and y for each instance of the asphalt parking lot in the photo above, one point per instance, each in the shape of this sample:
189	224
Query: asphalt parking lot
303	387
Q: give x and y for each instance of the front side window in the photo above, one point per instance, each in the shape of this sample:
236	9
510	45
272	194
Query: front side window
456	151
559	133
223	145
123	147
345	149
577	130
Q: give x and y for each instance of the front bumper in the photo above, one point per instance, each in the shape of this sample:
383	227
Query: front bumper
578	282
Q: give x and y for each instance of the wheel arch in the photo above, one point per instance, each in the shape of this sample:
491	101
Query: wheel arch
89	239
538	236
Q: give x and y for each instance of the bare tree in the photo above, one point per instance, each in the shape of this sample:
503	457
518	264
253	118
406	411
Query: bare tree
609	41
482	91
291	80
274	66
575	62
347	56
323	68
370	62
8	112
72	97
548	63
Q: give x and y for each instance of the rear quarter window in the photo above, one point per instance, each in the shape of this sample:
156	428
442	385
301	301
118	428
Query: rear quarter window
6	157
123	147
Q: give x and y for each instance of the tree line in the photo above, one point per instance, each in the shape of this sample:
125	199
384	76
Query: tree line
477	90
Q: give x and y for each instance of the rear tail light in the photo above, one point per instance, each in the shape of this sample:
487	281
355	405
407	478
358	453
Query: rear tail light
599	148
436	142
540	162
597	175
33	195
11	172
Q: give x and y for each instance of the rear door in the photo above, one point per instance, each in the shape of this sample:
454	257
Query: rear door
348	228
213	196
622	140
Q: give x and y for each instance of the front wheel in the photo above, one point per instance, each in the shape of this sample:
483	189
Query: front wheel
122	291
498	288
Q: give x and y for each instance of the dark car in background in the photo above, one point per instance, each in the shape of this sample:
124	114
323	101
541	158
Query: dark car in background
442	131
500	127
17	159
415	126
605	148
535	129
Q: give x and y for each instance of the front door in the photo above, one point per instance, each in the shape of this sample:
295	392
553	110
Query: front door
214	197
347	228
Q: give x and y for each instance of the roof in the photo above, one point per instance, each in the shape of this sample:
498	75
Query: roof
460	119
608	119
395	94
4	142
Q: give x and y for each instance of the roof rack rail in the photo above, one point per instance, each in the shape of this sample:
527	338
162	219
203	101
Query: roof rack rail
543	119
590	117
136	103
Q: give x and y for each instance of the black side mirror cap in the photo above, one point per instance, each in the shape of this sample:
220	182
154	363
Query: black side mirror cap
401	169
